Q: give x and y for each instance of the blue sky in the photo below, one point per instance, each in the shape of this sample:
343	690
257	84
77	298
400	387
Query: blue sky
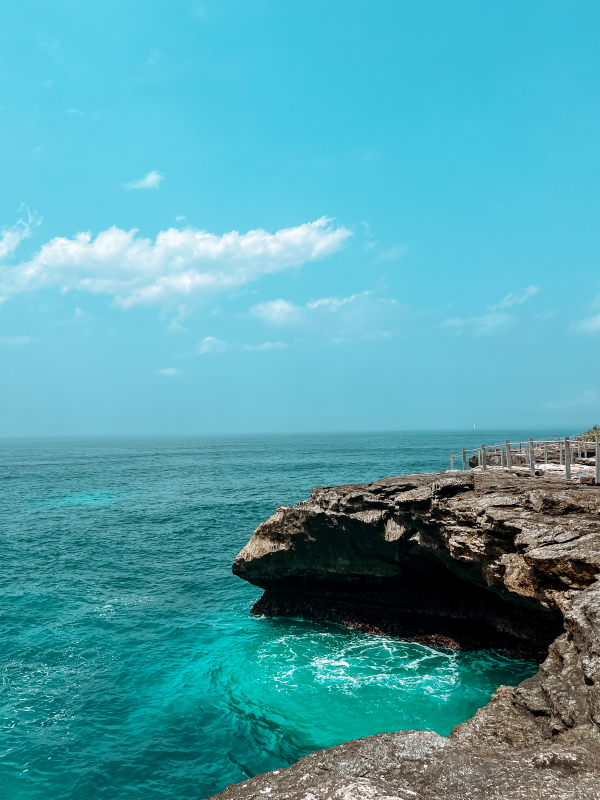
298	216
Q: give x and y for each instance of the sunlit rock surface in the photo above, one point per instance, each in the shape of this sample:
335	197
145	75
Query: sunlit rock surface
461	560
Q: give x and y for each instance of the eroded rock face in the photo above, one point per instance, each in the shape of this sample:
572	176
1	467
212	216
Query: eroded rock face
457	560
421	765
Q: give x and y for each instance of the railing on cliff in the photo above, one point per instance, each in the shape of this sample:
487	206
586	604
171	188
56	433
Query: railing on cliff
565	449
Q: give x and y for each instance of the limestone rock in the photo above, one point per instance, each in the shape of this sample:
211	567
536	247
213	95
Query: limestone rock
457	560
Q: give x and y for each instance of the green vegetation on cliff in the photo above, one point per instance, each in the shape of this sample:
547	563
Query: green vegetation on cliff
590	434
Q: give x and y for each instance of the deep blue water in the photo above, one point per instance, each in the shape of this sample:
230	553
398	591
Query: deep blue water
131	667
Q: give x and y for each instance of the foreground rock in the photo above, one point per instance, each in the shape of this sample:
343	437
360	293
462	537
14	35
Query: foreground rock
460	560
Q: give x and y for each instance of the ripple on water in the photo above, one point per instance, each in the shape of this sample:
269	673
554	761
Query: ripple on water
69	500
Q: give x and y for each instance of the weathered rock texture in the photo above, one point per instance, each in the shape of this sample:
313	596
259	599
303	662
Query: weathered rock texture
457	560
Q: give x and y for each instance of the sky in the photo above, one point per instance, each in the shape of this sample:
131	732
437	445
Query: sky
229	216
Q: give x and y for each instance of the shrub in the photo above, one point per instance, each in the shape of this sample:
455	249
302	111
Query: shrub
590	434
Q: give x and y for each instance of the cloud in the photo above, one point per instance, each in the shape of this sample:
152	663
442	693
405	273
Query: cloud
179	264
394	253
334	319
282	312
480	326
515	299
11	238
588	325
169	372
265	346
79	317
277	312
75	111
587	399
371	243
150	181
174	325
15	339
211	345
495	321
333	303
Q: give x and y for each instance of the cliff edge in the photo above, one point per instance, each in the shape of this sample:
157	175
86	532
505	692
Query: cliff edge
460	560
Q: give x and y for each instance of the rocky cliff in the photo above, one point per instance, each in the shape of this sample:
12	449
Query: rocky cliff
461	560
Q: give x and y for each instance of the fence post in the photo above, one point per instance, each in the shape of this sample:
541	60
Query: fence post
531	459
545	452
567	459
578	449
560	454
483	464
464	455
501	458
508	459
597	470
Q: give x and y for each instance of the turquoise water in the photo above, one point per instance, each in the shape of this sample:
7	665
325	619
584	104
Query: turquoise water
131	667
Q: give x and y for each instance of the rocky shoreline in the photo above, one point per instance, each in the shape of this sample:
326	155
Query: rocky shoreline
462	560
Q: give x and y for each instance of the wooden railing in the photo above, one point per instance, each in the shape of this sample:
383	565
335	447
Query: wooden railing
567	446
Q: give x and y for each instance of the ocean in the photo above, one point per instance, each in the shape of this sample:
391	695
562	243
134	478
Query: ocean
131	666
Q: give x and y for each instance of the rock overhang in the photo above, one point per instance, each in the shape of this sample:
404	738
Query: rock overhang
478	560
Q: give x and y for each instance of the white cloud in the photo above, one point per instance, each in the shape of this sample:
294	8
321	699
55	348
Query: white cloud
394	253
75	111
211	345
180	218
587	399
278	312
15	339
495	321
333	303
515	299
178	265
335	319
480	326
282	312
79	317
150	181
588	325
11	238
265	346
371	243
174	325
169	372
